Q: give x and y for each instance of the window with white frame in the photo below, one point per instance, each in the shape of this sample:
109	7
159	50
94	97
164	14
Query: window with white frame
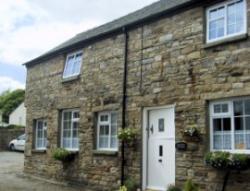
107	131
227	19
230	125
41	134
73	65
70	126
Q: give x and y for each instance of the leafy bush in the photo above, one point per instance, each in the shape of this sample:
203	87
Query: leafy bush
128	134
62	155
123	188
173	188
10	101
130	184
15	127
190	186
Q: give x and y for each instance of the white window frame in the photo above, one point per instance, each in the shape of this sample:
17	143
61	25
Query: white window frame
225	36
99	123
229	114
71	128
67	63
44	129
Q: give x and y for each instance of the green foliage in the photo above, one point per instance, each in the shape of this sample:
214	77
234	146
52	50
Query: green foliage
190	186
10	101
128	134
225	160
61	154
13	127
123	188
173	188
130	184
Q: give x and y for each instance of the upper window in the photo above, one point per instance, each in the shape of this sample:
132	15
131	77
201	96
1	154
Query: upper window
230	125
226	20
70	125
72	65
41	134
107	131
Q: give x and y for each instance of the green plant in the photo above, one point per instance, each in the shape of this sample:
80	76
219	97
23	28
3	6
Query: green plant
173	188
128	134
62	155
123	188
190	186
130	184
219	160
239	162
191	131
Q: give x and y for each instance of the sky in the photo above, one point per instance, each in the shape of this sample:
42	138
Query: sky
28	28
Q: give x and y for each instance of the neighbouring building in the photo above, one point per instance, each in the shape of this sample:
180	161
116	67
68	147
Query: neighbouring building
169	66
18	116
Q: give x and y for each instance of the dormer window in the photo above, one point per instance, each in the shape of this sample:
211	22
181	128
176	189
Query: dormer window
73	65
227	19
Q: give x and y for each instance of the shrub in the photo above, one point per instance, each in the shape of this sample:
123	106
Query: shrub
173	188
62	155
130	184
190	186
123	188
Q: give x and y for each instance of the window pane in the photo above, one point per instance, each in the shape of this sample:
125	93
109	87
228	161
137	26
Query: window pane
76	115
239	133
235	17
104	136
217	124
67	116
104	118
217	108
238	108
247	107
226	133
224	108
73	65
216	29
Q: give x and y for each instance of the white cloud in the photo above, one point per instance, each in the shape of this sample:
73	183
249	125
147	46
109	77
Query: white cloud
30	28
7	83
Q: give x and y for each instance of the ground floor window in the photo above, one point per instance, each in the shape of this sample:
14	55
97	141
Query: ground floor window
70	126
230	125
41	134
107	131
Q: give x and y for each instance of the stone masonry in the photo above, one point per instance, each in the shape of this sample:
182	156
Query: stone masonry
168	63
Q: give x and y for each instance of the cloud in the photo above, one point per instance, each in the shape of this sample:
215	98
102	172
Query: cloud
30	28
7	83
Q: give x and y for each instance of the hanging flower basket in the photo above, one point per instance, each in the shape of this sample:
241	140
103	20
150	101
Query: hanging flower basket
129	136
63	155
192	134
227	161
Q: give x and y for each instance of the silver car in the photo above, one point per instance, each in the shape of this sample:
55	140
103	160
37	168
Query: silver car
18	144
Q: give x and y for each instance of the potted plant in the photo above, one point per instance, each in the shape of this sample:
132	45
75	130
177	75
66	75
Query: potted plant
192	134
128	135
63	155
190	186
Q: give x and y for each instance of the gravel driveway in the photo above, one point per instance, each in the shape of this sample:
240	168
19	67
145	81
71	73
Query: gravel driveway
12	179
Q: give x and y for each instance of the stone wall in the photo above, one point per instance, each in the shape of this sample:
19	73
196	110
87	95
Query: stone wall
168	63
7	135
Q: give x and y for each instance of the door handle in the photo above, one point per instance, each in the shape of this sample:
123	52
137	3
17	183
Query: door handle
160	160
152	129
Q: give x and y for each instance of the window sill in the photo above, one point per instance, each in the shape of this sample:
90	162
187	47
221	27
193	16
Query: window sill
226	41
38	151
105	153
70	79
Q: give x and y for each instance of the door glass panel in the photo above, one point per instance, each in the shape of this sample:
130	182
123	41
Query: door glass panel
161	125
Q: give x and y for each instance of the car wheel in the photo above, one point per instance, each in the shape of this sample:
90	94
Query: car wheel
12	147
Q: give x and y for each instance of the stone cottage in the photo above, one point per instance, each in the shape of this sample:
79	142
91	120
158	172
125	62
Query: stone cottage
173	65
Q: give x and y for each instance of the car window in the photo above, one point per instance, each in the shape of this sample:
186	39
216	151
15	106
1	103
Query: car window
22	137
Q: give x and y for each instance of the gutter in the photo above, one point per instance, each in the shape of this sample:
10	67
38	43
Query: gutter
124	101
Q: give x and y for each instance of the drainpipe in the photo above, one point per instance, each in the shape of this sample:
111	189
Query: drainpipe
124	99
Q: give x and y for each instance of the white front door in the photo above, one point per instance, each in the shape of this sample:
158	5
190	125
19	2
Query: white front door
160	148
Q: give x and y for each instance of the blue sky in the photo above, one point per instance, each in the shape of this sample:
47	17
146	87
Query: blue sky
29	28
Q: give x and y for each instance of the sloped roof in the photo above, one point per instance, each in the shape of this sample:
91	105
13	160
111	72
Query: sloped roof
162	6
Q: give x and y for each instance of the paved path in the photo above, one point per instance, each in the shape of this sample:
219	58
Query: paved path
12	179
